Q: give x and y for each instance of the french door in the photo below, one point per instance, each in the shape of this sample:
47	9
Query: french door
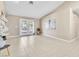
26	27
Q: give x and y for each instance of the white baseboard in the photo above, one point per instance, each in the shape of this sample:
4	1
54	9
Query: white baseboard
68	41
74	39
13	36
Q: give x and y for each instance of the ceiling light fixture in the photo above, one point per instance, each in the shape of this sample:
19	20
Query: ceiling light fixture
31	2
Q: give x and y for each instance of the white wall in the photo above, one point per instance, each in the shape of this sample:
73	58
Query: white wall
65	22
2	7
13	25
74	26
62	24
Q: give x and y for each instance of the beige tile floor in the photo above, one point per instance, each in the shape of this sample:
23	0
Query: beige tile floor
41	46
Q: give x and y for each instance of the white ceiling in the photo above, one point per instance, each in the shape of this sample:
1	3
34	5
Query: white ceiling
35	10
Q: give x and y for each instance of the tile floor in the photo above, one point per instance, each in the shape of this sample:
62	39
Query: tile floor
41	46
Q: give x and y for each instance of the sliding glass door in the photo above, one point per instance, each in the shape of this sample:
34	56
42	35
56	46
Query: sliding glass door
26	27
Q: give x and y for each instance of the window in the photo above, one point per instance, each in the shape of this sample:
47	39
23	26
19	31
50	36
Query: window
26	27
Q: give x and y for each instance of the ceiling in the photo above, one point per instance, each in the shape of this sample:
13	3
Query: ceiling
37	9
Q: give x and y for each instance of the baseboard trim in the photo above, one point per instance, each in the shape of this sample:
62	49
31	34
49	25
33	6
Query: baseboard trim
68	41
13	36
74	39
17	36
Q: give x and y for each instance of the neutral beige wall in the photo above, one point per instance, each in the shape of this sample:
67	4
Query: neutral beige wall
2	8
13	25
75	27
64	22
74	19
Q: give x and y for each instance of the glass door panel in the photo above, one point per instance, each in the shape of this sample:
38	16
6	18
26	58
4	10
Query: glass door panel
26	27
